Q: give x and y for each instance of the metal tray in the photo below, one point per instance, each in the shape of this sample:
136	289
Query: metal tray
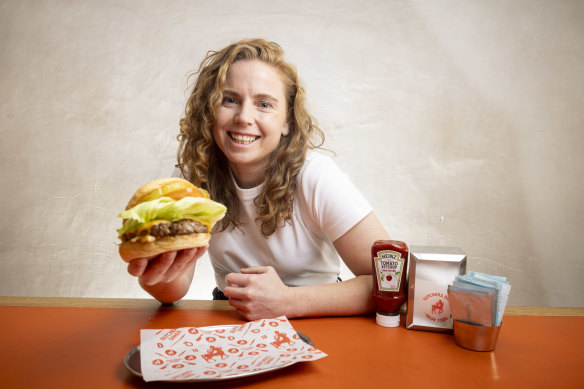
132	361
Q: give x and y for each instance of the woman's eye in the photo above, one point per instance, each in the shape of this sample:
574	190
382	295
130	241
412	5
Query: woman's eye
265	104
229	100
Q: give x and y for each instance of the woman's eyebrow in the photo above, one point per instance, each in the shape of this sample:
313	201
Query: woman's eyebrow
266	96
230	92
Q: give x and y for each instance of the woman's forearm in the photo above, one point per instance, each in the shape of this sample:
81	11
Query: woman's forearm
351	297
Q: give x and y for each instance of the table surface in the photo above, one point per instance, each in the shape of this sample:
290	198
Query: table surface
81	343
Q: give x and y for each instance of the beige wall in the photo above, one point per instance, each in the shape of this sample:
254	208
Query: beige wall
461	121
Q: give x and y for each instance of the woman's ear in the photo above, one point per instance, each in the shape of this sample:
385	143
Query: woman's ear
285	129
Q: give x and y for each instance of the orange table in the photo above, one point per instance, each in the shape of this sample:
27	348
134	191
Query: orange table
81	343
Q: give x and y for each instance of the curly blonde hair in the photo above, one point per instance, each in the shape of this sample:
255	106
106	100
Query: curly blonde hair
202	162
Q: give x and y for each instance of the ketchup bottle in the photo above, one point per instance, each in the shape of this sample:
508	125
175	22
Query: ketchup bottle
389	259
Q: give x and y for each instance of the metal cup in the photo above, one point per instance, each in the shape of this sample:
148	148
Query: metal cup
474	337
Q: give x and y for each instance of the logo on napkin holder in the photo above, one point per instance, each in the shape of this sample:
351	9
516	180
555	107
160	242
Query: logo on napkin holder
436	307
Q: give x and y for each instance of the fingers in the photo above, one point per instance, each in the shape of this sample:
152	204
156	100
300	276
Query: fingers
199	251
238	287
165	267
257	292
183	260
236	279
243	277
244	312
137	266
241	305
157	268
249	285
255	270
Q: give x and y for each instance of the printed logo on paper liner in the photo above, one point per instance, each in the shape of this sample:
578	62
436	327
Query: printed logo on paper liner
191	353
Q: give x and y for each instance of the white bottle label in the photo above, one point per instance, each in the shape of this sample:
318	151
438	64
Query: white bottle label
388	266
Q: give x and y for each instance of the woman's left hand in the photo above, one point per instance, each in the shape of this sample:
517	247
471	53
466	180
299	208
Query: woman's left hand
257	293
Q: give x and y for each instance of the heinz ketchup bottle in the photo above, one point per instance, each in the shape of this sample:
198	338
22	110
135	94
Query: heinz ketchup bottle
390	265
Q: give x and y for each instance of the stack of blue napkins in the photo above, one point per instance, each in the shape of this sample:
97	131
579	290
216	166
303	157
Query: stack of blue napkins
478	298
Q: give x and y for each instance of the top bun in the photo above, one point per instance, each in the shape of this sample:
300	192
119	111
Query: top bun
174	187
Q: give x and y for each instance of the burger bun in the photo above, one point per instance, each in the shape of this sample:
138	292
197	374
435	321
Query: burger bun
132	250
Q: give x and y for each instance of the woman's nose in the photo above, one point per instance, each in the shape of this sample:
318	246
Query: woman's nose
244	116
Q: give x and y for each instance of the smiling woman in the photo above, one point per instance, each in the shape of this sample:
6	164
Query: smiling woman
247	138
251	119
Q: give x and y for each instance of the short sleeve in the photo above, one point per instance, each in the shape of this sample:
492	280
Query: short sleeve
334	204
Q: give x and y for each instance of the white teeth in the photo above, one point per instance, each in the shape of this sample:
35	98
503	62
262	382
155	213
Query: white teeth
243	139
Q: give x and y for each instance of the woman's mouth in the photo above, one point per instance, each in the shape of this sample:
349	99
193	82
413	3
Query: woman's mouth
242	139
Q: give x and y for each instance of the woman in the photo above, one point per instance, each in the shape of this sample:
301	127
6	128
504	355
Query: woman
247	138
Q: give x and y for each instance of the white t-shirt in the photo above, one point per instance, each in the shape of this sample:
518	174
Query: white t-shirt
326	206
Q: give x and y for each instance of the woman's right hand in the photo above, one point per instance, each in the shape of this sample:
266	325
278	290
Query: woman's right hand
167	276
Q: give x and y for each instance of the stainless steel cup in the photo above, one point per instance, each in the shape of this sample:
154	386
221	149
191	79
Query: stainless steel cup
474	337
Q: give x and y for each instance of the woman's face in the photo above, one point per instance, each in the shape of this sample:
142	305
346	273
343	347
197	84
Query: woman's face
251	119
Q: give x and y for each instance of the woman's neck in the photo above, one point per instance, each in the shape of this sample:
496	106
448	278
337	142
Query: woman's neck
247	178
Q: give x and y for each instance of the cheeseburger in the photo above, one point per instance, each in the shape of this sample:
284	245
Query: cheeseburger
165	215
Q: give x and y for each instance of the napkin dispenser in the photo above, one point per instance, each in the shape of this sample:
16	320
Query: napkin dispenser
432	269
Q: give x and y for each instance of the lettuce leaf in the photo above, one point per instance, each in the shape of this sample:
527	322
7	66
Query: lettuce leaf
165	208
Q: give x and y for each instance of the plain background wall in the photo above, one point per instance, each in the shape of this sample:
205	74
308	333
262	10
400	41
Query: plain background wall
461	121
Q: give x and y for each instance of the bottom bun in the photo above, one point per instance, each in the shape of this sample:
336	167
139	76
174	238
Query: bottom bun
133	250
